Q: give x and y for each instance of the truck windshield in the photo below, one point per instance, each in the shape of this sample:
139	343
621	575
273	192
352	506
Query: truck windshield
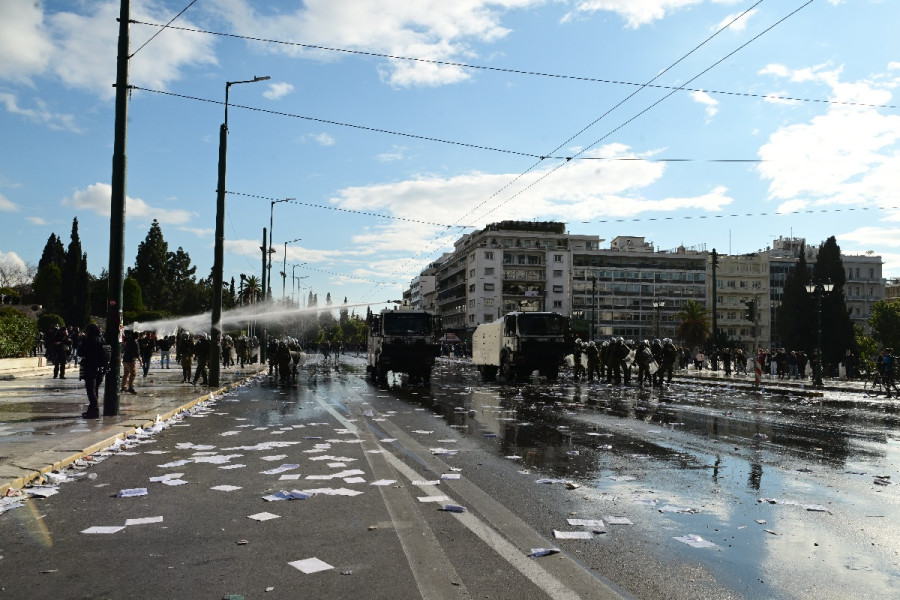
542	325
397	323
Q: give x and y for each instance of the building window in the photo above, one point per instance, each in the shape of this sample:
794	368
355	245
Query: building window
557	272
871	273
471	318
486	318
730	283
471	287
557	258
489	287
488	255
488	301
557	304
471	272
557	289
489	270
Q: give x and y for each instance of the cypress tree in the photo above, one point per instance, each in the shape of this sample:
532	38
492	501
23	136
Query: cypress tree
72	311
54	253
796	314
837	328
151	268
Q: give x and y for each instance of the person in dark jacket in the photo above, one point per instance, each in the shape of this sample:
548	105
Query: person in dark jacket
58	348
131	355
94	365
201	353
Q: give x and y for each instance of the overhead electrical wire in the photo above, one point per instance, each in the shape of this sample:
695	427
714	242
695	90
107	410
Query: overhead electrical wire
582	130
349	210
163	28
448	63
566	159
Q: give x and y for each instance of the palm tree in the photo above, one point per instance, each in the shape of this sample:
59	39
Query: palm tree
252	288
693	328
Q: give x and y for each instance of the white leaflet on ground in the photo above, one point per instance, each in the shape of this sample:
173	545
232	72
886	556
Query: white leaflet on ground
310	565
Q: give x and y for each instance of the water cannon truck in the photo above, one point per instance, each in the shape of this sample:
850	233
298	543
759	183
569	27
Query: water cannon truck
519	343
403	340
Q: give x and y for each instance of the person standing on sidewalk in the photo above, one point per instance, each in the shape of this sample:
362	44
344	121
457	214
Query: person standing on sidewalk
58	346
201	352
165	348
147	346
131	355
94	364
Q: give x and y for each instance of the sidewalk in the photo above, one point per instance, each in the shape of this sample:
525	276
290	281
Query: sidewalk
41	428
773	382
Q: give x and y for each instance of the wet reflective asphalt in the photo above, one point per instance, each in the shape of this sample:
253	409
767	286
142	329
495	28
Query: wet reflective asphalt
798	492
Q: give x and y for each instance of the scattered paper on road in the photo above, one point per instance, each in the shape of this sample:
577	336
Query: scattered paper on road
434	499
572	535
167	476
310	565
143	521
104	529
263	516
381	482
225	488
585	522
611	520
132	492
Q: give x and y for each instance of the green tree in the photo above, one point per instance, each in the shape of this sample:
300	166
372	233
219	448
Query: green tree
17	333
74	303
47	287
251	290
866	350
837	328
796	315
694	324
151	268
132	295
885	323
54	253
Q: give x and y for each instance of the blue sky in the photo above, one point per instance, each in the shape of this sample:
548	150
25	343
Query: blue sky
791	106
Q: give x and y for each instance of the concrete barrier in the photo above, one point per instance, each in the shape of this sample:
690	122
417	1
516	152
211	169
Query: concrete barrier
11	368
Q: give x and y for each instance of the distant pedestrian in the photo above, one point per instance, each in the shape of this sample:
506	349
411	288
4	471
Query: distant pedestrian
201	353
131	356
165	350
94	365
147	346
58	348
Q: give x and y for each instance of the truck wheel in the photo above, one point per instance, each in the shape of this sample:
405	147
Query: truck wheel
507	371
380	373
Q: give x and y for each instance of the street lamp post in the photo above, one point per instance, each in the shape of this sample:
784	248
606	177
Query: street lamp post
268	293
218	259
819	289
284	267
658	304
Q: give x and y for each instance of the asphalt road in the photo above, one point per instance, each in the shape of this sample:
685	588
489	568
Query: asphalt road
711	452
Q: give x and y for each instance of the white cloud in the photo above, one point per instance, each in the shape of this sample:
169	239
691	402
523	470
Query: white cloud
25	46
96	198
396	153
323	139
7	205
36	220
39	114
873	237
736	26
80	48
635	12
847	155
711	104
584	190
198	231
277	91
428	29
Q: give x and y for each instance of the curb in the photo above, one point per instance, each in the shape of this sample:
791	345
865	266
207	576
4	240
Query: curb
21	482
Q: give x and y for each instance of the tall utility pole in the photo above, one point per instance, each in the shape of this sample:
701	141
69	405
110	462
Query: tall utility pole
263	342
593	307
219	252
117	219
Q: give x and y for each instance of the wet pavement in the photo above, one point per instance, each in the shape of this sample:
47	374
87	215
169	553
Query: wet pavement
40	417
794	488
